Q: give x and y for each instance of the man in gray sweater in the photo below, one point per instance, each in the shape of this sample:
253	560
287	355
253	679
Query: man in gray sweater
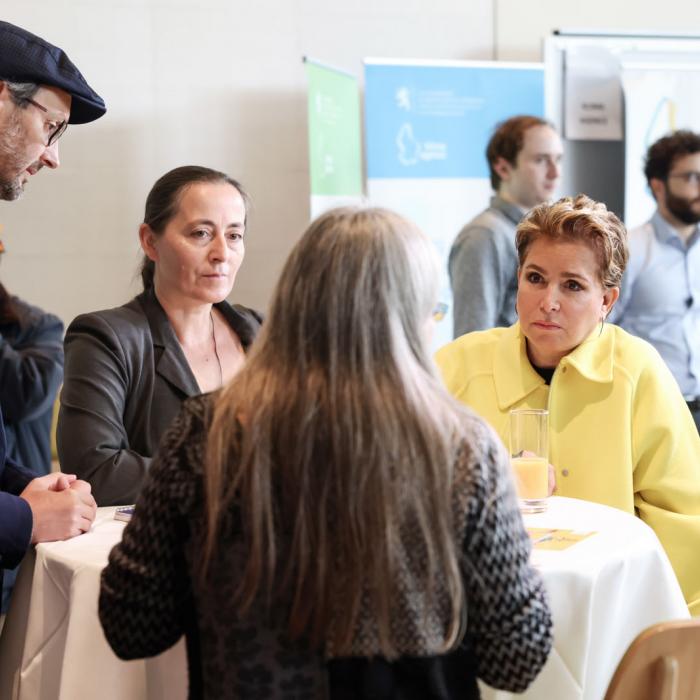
524	156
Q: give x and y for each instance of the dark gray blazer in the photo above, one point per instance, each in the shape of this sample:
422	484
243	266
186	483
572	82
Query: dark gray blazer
125	379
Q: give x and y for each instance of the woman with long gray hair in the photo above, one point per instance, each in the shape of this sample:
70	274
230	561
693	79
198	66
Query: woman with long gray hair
333	523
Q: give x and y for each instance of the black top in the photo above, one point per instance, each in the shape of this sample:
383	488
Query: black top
546	373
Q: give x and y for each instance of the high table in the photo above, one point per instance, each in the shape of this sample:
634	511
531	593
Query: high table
54	649
603	591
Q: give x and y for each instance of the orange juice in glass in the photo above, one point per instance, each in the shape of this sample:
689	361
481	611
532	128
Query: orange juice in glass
529	456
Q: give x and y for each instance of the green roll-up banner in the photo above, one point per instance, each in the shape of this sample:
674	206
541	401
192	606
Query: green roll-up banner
335	147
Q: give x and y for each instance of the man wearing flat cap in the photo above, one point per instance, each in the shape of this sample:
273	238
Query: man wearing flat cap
41	92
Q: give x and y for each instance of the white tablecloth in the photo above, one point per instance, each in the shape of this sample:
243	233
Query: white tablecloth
603	591
54	649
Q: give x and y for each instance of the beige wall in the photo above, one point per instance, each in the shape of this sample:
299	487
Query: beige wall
212	82
221	83
520	25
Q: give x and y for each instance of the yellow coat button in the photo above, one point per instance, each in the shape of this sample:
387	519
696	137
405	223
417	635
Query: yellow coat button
565	472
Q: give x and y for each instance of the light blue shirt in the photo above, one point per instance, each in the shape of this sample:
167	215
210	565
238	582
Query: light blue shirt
660	297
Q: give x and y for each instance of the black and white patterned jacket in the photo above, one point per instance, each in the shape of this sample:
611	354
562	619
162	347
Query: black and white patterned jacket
151	594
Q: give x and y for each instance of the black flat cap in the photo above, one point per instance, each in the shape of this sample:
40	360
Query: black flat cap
26	58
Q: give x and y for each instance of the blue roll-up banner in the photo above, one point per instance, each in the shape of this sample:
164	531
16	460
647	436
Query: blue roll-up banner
426	129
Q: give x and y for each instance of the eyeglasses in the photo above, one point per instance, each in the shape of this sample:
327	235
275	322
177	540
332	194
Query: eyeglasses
691	177
57	131
440	311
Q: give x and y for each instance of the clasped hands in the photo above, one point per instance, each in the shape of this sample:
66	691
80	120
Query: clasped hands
62	506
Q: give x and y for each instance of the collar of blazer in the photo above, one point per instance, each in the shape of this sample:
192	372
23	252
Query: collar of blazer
170	360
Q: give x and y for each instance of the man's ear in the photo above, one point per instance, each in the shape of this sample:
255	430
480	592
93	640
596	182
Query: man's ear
658	188
502	168
148	238
4	94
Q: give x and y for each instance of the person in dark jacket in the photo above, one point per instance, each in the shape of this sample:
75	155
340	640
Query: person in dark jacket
41	92
31	369
332	524
129	369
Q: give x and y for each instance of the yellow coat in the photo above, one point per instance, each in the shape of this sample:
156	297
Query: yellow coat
620	431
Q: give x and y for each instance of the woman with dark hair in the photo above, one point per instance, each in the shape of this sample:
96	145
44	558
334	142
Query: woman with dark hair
128	369
620	432
332	523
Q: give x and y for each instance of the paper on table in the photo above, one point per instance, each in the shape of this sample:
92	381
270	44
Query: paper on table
555	539
124	513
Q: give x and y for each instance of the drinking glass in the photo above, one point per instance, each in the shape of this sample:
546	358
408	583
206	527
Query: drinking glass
529	450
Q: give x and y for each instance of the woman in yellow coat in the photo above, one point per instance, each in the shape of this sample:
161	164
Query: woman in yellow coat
620	431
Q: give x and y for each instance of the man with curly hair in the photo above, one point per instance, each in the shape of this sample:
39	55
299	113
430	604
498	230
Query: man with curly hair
660	294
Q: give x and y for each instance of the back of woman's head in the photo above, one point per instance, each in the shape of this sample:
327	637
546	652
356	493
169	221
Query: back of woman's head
354	296
164	197
345	436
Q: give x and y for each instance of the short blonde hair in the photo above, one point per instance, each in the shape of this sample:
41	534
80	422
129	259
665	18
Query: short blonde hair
579	219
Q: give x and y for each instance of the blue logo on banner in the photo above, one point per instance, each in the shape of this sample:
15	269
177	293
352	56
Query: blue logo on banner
435	121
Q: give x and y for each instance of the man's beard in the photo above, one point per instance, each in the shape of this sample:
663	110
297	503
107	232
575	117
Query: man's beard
12	144
682	209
